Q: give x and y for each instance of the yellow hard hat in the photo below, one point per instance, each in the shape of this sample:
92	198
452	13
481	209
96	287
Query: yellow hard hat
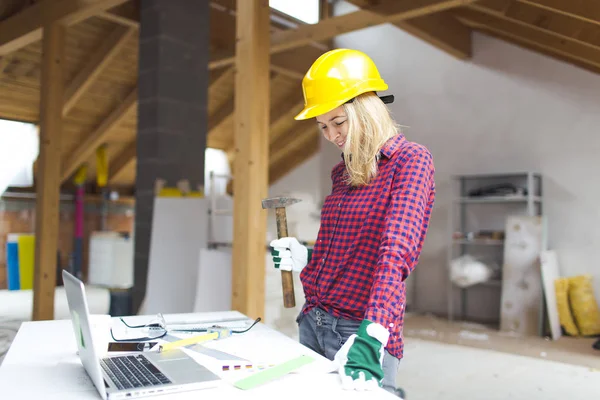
337	77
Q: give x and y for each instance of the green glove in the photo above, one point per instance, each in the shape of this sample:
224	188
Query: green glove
360	359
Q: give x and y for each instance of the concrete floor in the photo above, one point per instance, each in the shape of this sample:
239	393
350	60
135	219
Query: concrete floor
441	371
459	361
8	330
570	350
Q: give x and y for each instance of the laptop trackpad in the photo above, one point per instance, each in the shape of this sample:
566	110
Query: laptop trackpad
180	367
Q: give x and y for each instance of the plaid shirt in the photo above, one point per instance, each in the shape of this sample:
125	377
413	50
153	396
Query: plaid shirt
370	239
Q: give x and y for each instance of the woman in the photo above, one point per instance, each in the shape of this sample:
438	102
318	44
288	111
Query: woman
373	224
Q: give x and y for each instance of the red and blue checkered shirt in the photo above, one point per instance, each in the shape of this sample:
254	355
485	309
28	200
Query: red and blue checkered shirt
370	240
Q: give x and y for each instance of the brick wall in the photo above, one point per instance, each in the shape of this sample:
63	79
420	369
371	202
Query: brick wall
18	216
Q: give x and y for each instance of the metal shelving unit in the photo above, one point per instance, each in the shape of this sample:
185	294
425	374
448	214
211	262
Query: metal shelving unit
476	222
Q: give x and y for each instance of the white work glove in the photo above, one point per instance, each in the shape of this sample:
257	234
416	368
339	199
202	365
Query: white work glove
289	254
360	360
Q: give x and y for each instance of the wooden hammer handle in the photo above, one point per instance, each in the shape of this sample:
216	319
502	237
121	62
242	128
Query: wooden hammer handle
287	279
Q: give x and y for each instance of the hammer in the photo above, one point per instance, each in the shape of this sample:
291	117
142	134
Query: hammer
287	279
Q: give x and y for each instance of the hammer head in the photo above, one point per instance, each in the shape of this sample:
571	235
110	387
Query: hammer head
279	202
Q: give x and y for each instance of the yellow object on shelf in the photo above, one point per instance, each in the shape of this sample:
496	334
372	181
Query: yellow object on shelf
181	190
175	192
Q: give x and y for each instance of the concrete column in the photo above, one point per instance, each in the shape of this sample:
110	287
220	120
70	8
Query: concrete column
172	110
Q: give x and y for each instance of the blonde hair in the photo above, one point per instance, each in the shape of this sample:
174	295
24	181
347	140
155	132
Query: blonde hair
370	125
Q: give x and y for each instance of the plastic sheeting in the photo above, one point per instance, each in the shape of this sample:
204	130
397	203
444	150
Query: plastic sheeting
467	271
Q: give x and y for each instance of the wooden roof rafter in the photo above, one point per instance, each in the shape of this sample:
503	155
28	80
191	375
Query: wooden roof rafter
561	25
97	62
582	10
438	28
98	80
25	27
541	30
381	12
98	136
122	161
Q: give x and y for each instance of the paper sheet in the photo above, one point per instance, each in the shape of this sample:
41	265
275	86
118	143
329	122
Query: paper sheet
65	377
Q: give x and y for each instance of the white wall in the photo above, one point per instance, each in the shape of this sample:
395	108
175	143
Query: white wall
507	109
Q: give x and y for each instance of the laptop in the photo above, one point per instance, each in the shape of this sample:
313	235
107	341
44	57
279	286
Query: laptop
131	375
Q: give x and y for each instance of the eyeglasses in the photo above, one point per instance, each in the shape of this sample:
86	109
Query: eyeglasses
159	325
156	324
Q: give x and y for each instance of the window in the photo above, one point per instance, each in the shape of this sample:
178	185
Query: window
19	147
303	10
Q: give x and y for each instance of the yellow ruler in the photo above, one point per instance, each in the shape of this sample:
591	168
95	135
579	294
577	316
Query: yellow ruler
186	342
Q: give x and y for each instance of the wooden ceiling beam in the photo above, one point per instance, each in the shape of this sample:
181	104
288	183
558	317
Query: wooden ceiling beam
560	48
223	113
588	11
47	207
26	26
376	13
309	147
543	20
282	115
122	161
4	62
127	15
443	32
296	155
225	77
440	29
535	47
380	12
225	59
86	148
99	60
291	140
118	19
223	116
287	72
251	133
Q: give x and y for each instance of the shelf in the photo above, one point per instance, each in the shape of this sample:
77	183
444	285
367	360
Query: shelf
480	242
522	174
499	199
474	228
492	283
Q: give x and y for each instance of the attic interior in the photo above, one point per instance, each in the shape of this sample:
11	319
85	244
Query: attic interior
109	120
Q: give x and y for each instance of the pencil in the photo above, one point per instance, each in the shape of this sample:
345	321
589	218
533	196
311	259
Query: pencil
185	342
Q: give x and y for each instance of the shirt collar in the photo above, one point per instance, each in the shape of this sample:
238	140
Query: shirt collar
390	147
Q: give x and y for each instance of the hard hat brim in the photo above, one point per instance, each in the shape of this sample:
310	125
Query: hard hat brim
319	109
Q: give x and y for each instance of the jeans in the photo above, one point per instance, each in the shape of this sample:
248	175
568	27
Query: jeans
325	334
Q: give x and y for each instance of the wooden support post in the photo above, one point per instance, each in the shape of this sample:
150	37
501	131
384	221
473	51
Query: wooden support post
48	171
251	156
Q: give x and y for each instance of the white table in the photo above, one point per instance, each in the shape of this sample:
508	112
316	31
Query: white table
42	363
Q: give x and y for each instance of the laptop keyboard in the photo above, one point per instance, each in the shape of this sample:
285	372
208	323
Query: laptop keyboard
129	372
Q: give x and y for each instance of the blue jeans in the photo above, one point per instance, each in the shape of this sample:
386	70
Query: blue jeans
325	334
